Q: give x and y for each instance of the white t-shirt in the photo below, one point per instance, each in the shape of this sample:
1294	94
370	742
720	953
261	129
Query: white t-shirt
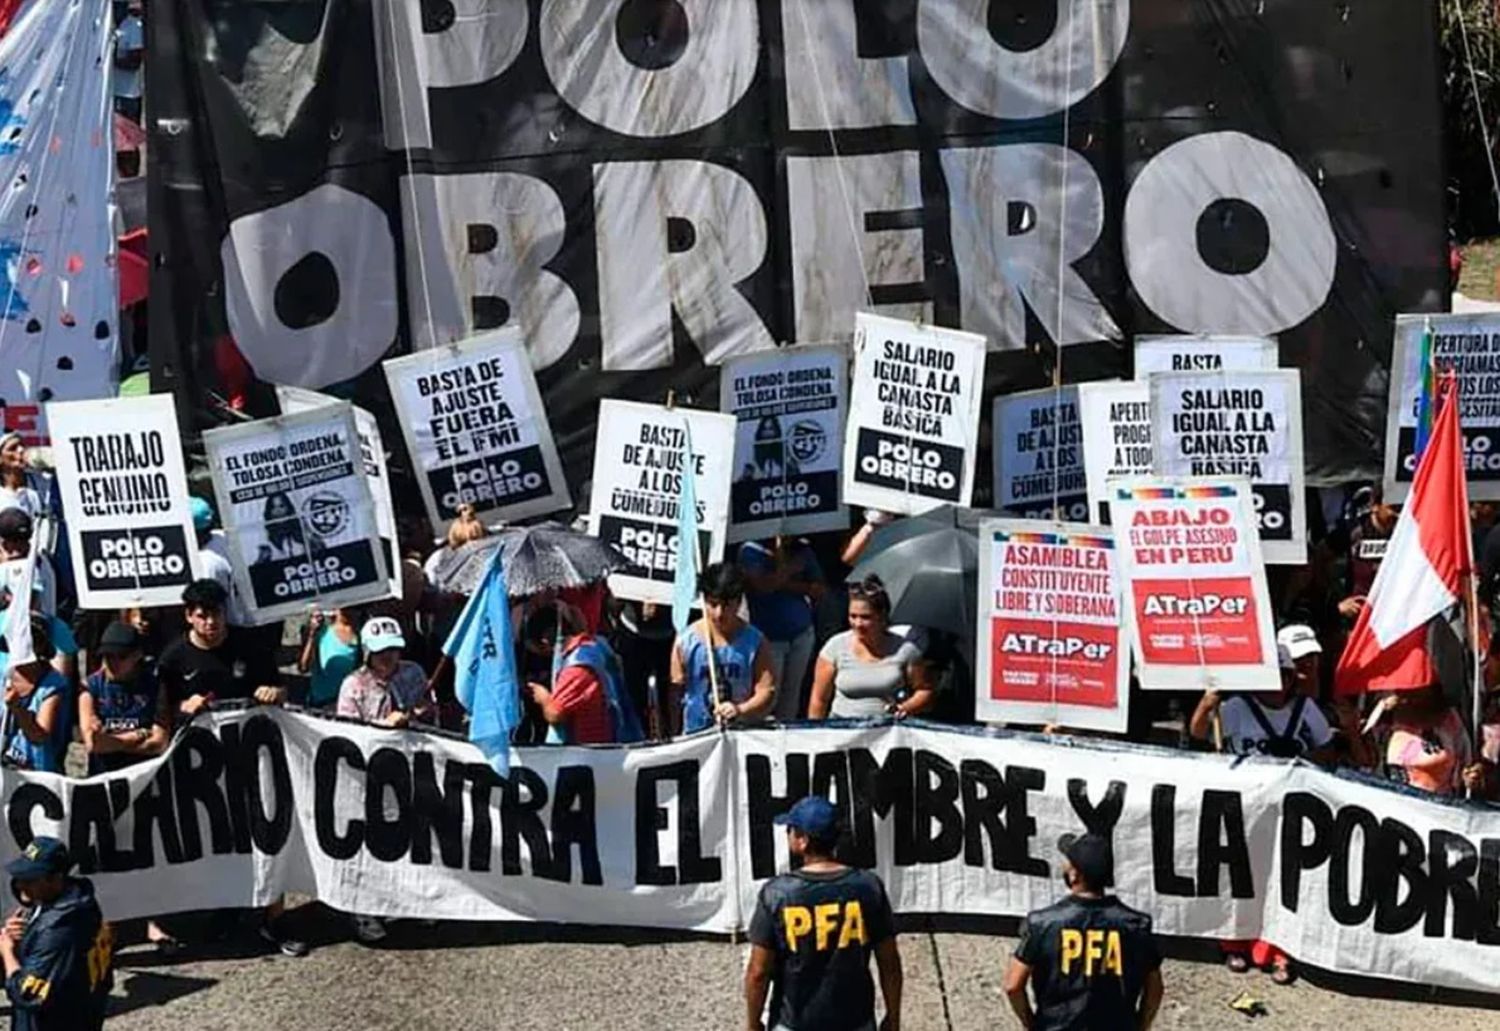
43	582
1244	735
214	559
26	499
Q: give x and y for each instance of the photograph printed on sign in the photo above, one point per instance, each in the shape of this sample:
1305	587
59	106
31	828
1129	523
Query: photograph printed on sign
790	405
913	431
297	511
476	430
1196	602
1038	455
1116	419
637	484
1209	353
1239	424
1052	648
1469	344
372	451
124	495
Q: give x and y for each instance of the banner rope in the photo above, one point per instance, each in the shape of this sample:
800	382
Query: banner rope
411	171
1057	341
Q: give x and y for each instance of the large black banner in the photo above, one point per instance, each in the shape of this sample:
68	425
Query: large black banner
650	188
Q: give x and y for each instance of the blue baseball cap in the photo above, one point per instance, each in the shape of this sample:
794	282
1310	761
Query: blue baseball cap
42	857
203	513
814	816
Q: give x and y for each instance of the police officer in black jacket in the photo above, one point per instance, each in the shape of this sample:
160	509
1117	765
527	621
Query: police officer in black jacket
57	950
1090	960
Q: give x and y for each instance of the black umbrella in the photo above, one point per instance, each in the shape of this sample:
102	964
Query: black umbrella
545	557
930	567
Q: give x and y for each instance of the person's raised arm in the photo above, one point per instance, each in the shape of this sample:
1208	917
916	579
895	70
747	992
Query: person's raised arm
764	693
888	964
822	690
677	674
1202	724
310	646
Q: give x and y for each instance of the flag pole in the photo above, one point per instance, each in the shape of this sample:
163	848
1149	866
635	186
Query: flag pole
1478	700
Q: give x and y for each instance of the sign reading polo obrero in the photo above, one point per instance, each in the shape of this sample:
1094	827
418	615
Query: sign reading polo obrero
641	454
119	469
1469	344
298	513
476	429
913	433
1038	454
789	403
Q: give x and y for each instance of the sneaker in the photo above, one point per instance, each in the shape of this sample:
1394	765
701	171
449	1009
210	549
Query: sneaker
369	929
287	946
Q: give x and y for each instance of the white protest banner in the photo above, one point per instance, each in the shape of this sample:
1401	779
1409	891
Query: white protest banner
637	479
476	430
1052	648
790	404
679	836
1209	353
1239	424
124	495
372	451
1468	344
297	511
1116	419
1196	602
913	433
1038	454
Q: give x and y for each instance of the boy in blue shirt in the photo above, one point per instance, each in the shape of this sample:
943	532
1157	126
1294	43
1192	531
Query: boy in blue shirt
124	714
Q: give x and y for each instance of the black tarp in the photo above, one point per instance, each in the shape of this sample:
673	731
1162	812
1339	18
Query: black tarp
254	104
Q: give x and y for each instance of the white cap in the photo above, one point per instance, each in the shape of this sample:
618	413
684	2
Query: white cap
1295	642
381	633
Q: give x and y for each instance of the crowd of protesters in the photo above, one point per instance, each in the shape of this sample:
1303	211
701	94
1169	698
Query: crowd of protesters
781	636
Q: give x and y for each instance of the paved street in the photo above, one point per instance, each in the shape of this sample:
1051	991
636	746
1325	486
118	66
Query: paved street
456	976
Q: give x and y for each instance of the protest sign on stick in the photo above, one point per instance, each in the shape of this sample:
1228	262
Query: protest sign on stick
790	404
1051	644
913	433
1038	455
476	430
638	458
1212	353
1116	420
1469	344
124	495
1239	424
372	451
297	511
1196	601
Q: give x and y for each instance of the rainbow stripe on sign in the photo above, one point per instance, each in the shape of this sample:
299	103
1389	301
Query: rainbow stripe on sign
1029	538
1091	542
1171	493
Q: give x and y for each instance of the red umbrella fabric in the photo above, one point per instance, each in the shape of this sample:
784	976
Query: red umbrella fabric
128	135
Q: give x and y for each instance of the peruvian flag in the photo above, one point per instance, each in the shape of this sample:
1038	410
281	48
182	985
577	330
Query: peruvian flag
1422	576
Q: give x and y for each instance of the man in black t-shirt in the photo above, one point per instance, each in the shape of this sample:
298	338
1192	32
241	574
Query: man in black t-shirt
213	661
813	932
1091	960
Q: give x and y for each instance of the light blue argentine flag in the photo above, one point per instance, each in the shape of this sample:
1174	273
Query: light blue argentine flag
484	665
685	582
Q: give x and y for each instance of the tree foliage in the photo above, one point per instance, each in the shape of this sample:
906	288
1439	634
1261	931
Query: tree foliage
1472	202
